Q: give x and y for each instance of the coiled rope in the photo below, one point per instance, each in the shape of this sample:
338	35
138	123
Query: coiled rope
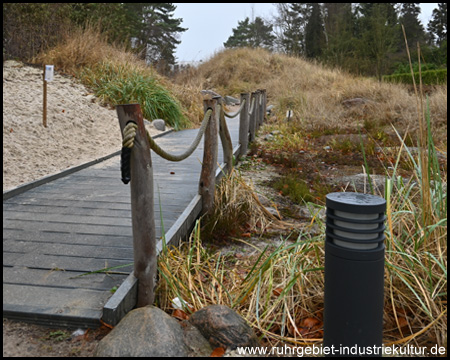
129	133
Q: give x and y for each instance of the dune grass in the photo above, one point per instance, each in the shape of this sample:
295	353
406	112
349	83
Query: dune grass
116	75
278	289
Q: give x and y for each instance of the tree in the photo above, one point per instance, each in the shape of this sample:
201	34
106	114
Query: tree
437	26
261	34
112	19
252	34
314	32
339	33
290	24
409	18
377	34
241	35
156	32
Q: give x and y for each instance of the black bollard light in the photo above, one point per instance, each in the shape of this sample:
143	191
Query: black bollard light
354	274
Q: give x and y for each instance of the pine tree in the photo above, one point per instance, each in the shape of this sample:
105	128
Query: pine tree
437	26
314	32
409	18
241	35
340	42
290	22
378	37
252	34
156	32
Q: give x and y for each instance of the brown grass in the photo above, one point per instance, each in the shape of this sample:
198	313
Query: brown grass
313	92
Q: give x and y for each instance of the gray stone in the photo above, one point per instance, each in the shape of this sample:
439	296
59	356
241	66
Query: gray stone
146	332
159	124
356	102
194	340
223	327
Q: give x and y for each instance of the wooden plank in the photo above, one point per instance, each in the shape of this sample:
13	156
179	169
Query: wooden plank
81	222
27	276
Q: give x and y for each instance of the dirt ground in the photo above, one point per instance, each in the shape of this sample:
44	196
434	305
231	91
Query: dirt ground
28	340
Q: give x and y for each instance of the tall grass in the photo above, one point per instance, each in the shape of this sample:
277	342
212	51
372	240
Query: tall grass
315	93
116	75
117	83
279	288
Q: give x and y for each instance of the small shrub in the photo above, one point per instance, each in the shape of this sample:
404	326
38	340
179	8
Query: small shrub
294	187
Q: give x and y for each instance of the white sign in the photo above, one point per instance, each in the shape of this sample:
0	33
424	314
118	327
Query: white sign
48	73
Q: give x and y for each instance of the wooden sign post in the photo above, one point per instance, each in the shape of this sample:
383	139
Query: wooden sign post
48	76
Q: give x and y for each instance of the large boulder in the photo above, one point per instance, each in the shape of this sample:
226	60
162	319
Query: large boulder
147	332
223	327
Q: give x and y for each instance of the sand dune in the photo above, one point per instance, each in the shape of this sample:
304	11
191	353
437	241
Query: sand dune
78	128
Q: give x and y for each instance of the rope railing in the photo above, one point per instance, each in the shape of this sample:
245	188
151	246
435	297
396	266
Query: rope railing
130	132
231	116
136	166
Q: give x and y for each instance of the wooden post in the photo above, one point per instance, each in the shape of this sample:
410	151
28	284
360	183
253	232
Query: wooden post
44	112
225	138
207	183
264	104
257	110
260	107
252	123
244	124
142	206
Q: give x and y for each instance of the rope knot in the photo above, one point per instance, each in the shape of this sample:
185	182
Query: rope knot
129	133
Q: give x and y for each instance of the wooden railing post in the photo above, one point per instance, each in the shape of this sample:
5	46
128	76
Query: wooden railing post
260	108
208	174
264	104
142	206
252	123
225	138
244	124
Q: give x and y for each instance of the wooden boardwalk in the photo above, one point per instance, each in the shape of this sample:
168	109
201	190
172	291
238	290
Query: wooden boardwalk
82	222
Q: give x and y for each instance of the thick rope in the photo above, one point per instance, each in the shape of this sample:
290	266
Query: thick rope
129	132
236	113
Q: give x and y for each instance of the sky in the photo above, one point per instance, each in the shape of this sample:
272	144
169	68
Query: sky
210	25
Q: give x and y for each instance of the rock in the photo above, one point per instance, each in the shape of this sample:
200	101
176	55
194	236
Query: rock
146	332
273	212
356	102
159	124
197	344
229	100
223	327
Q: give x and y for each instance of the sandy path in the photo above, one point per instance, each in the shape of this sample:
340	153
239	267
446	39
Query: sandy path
78	129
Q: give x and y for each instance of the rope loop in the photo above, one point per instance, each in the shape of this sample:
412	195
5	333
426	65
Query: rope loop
236	113
129	133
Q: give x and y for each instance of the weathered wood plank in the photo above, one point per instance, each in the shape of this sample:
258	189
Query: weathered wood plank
82	222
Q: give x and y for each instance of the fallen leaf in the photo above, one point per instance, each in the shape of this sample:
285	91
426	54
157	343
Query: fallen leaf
402	322
277	291
309	322
247	235
180	314
218	352
105	324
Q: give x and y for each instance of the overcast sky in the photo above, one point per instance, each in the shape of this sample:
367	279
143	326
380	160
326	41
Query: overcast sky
210	25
